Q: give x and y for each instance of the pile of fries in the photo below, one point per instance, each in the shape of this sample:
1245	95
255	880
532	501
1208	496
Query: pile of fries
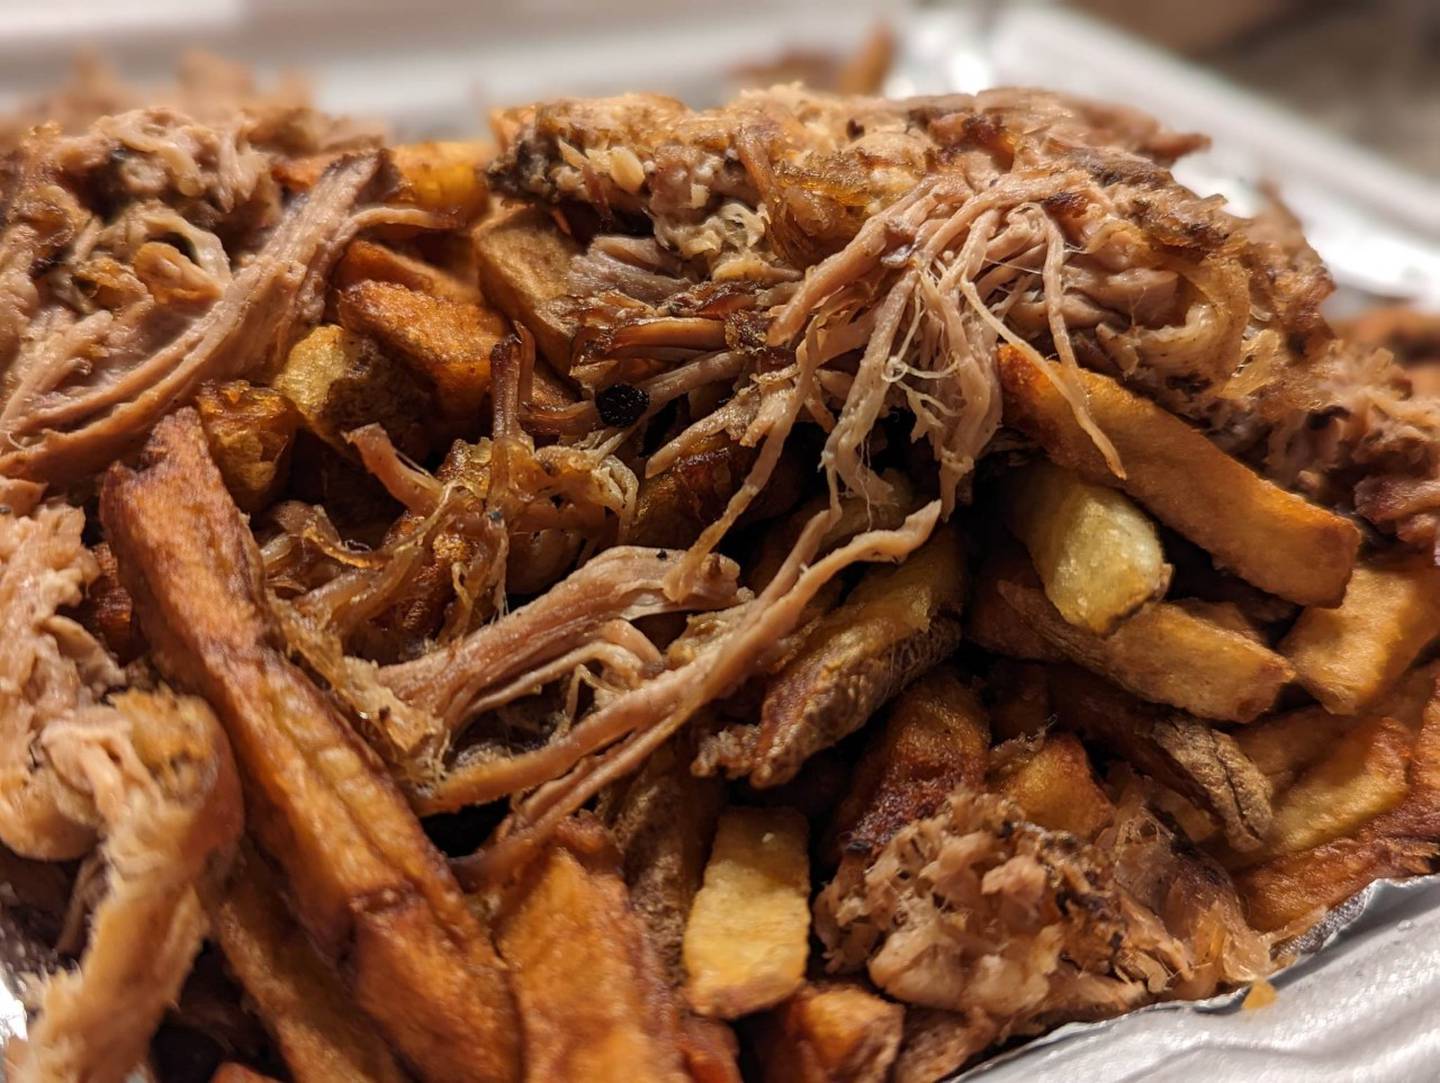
1104	735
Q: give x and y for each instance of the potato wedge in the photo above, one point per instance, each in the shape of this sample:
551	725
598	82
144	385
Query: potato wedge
1347	656
831	1032
1050	778
593	1001
321	1034
1364	774
1164	653
1283	746
366	261
897	623
663	819
251	431
447	343
749	930
1269	537
936	737
340	381
524	260
1097	554
1199	762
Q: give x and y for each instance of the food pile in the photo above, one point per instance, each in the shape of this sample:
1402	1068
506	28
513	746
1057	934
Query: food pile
824	586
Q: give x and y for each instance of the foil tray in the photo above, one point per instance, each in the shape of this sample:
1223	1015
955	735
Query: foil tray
1357	1004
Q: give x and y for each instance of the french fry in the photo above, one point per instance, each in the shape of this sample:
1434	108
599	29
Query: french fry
251	431
1269	537
593	1000
1197	761
936	737
832	1032
1293	890
445	342
1097	554
300	999
897	623
749	930
340	381
524	260
445	177
366	261
1050	778
993	623
663	819
1363	775
1347	656
1283	746
1165	653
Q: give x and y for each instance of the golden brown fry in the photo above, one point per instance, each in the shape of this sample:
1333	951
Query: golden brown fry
749	930
445	177
1364	774
1165	653
1049	777
593	1000
1284	745
366	261
663	819
896	624
301	1000
993	623
1199	762
1347	656
831	1032
365	882
524	259
340	381
1272	538
250	431
935	738
1296	889
1097	554
445	342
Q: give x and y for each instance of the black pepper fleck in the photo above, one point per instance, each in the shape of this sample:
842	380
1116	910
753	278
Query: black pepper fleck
621	404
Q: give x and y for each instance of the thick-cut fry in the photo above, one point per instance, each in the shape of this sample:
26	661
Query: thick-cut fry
1165	653
340	381
365	882
1050	778
250	431
1285	745
1347	656
524	259
445	177
749	928
1364	774
1096	552
663	820
1298	888
936	737
594	1003
833	1032
1272	538
1199	762
993	623
896	624
301	1000
445	342
366	261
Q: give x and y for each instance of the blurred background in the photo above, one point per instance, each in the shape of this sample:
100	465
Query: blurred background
1335	102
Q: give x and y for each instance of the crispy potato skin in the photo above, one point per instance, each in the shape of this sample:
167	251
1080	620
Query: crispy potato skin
250	431
1165	653
365	882
1347	656
1269	537
445	342
1050	778
301	1000
830	1032
896	624
1097	554
523	260
594	1003
749	930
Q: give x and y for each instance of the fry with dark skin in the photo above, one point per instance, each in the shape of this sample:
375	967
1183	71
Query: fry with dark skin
366	883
